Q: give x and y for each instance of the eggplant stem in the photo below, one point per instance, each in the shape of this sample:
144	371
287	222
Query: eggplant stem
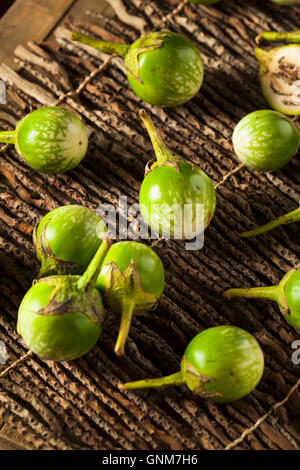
170	380
89	277
8	137
126	320
289	36
269	292
286	219
162	152
105	46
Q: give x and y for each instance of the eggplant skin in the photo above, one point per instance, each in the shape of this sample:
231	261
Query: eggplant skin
265	140
230	357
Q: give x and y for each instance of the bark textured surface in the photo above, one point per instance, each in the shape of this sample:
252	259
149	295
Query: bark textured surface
78	405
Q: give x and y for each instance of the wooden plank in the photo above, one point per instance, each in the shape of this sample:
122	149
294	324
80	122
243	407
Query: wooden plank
79	8
10	440
29	20
7	444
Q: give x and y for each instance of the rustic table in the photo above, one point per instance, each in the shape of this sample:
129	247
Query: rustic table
77	405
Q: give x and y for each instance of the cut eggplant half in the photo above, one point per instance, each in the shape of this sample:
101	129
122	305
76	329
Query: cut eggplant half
280	77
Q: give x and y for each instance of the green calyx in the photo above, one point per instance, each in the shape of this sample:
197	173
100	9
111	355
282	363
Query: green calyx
147	43
286	294
77	293
66	299
282	298
292	297
196	381
188	375
50	264
130	52
286	219
124	294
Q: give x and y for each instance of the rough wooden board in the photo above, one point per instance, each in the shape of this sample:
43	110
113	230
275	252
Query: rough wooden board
28	20
79	8
78	404
7	444
10	440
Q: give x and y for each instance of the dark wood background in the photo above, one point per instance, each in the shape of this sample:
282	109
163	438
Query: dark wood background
78	405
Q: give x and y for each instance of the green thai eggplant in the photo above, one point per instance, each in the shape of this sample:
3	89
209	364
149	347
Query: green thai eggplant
177	199
131	281
60	317
66	239
221	364
163	68
266	140
50	139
